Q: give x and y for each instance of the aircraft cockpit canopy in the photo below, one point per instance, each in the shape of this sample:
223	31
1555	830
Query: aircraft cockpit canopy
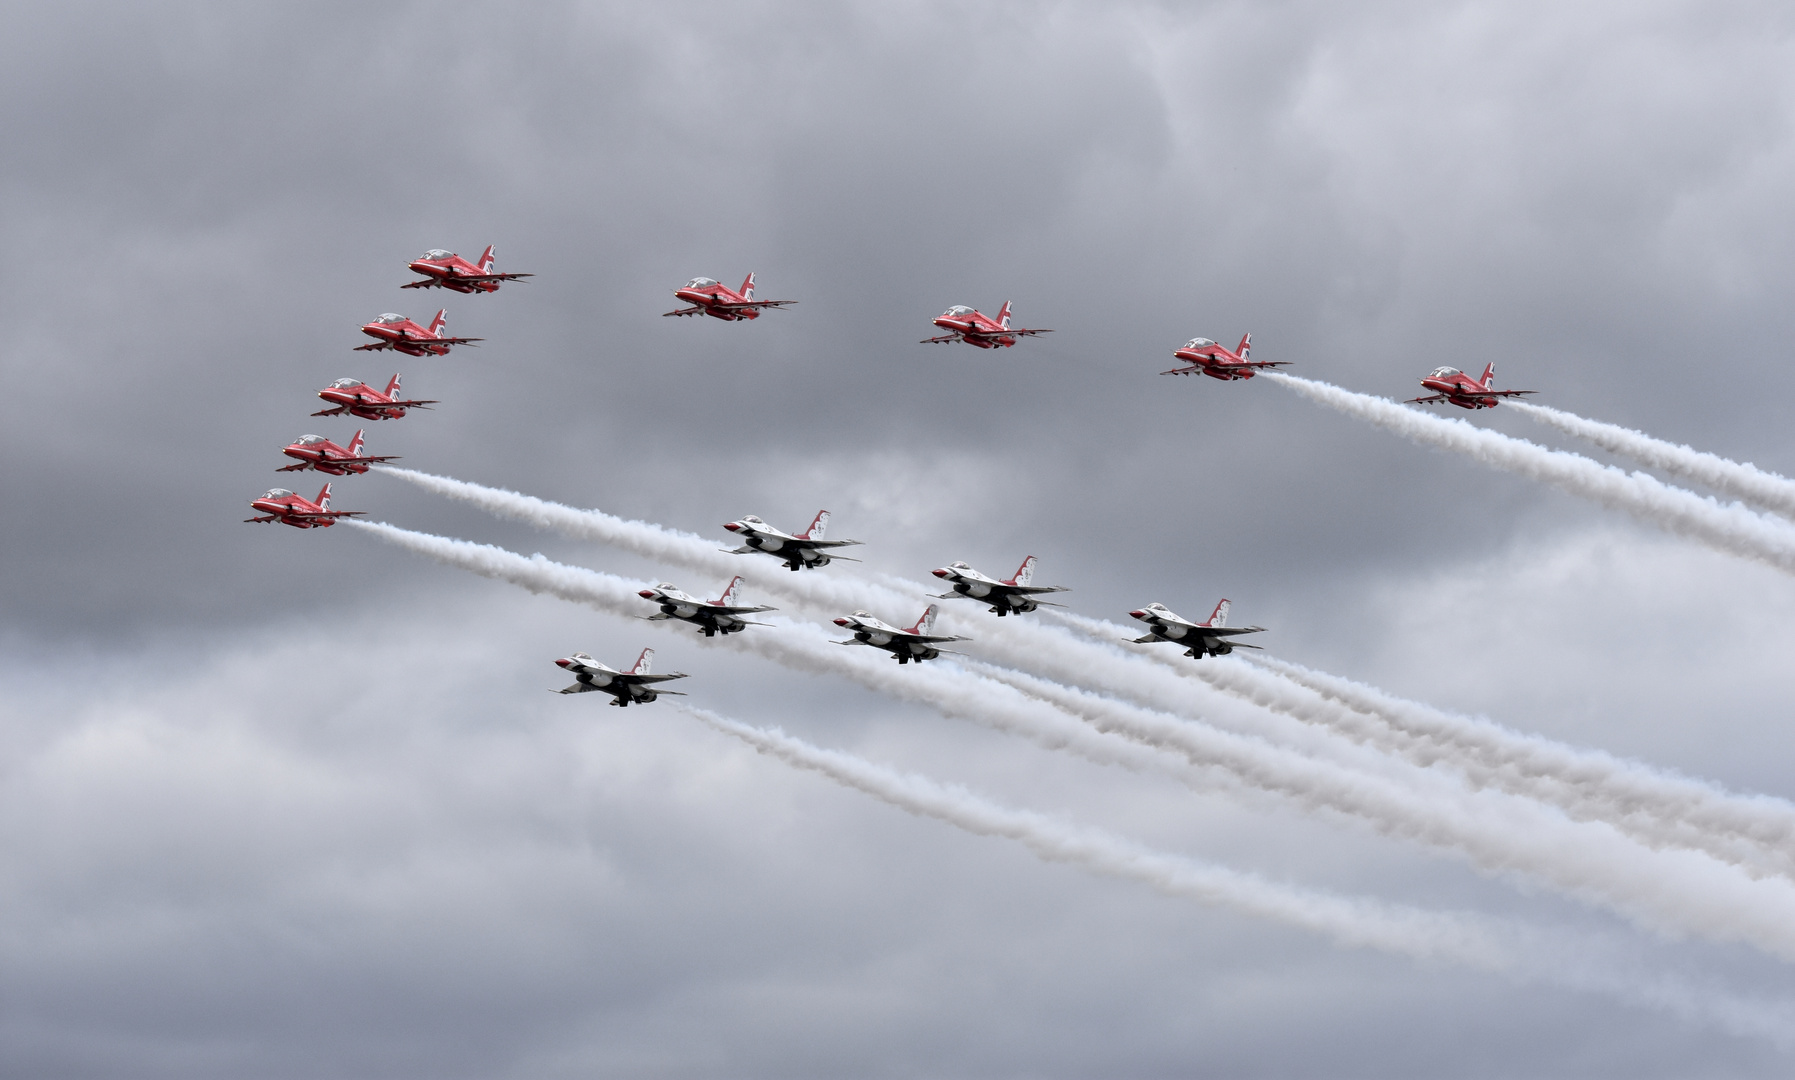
959	309
309	440
276	493
958	566
700	283
863	614
434	254
752	520
344	384
666	586
1444	373
390	317
1198	343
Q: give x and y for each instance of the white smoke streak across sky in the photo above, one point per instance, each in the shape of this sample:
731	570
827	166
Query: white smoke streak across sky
1463	938
1732	529
1676	892
1655	807
1647	804
1741	480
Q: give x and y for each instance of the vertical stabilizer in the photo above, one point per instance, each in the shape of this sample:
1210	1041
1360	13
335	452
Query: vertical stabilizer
747	289
1024	573
817	527
392	388
730	594
1489	376
441	320
643	663
926	624
354	446
1003	315
323	499
1219	617
486	260
1245	346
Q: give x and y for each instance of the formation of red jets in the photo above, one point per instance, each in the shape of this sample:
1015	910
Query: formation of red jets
439	269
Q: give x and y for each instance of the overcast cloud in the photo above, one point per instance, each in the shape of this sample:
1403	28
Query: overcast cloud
294	804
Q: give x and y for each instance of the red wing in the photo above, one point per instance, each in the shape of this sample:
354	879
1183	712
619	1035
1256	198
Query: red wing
448	340
684	311
1429	400
1006	333
939	340
741	305
492	277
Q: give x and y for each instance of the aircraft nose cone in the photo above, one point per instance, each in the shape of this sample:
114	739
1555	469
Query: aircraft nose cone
939	573
843	622
734	526
1137	614
646	594
563	663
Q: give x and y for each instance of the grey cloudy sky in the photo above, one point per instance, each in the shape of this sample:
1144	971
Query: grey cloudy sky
293	804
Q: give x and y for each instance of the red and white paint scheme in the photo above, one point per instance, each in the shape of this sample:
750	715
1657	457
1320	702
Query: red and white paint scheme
978	329
1204	357
357	398
279	504
912	643
1202	638
319	454
1453	385
797	552
392	331
1010	594
625	687
720	616
447	270
710	297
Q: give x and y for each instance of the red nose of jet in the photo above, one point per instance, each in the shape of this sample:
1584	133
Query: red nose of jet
939	573
646	594
734	526
844	622
1137	614
564	663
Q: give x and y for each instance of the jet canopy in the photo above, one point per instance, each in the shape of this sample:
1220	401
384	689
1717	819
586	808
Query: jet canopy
309	440
700	283
666	586
752	520
390	317
276	493
1198	343
959	309
344	384
436	253
958	566
1444	372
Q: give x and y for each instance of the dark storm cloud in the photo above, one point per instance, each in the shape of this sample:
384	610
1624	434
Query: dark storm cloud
201	204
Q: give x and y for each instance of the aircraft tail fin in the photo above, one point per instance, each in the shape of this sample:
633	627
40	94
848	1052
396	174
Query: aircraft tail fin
1489	374
926	624
1003	315
1245	346
731	593
392	388
1024	573
323	499
818	527
643	663
486	260
747	289
1219	617
441	320
355	444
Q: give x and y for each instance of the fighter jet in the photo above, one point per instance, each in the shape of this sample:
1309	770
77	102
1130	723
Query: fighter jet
317	452
1201	638
796	552
976	328
391	331
1012	594
447	270
916	643
1205	357
279	504
720	616
1456	387
357	398
623	686
711	297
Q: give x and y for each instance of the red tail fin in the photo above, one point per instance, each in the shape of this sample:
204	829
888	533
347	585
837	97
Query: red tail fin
1488	374
926	624
1245	346
486	260
392	388
729	595
818	526
354	446
1003	315
643	663
1024	573
747	289
1219	617
441	320
323	499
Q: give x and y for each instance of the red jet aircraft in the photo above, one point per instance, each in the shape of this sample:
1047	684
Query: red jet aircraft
447	270
320	454
1460	389
392	331
715	299
978	329
279	504
357	398
1205	357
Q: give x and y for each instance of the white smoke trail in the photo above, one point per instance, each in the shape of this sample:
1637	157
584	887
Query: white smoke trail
1732	529
1655	807
1674	892
1474	941
1741	480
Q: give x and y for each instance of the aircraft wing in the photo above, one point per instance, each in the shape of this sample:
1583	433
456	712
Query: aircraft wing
746	304
939	340
1035	590
928	639
1501	393
1006	333
826	544
448	340
341	409
1428	400
1230	631
644	680
694	310
492	277
717	609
